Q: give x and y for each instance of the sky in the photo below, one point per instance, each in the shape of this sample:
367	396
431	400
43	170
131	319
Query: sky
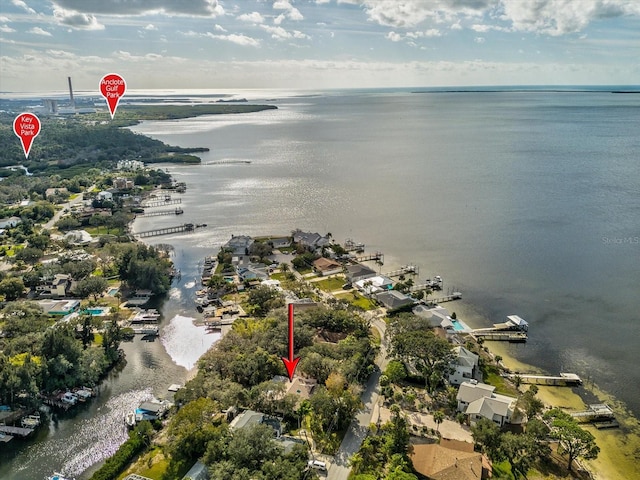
317	44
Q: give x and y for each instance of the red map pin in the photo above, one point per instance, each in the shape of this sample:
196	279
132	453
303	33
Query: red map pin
27	127
112	88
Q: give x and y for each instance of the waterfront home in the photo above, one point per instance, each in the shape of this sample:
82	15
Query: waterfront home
301	387
464	367
394	301
478	400
56	287
238	245
358	272
280	242
373	285
122	183
105	195
449	461
314	241
326	266
59	307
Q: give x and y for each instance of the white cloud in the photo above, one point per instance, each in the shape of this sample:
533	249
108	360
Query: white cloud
73	19
242	40
253	17
559	17
219	28
291	12
432	32
39	31
411	13
209	8
393	36
23	5
279	19
6	29
480	28
280	33
4	19
151	26
479	40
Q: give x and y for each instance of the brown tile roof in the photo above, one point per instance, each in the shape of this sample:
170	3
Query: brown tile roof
440	463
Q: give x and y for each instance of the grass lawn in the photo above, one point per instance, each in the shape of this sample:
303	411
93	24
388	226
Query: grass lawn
278	276
304	271
97	339
492	377
330	284
357	300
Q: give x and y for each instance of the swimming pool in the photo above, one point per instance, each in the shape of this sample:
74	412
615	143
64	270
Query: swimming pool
97	311
112	292
457	326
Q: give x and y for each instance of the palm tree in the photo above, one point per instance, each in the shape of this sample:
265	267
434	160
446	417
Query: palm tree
438	417
284	267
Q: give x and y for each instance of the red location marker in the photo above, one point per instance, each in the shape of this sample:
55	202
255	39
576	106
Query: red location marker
27	127
112	88
291	363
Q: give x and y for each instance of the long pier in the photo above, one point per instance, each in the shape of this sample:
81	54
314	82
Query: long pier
219	323
177	211
563	380
377	257
161	203
187	227
404	270
501	336
595	411
447	298
19	431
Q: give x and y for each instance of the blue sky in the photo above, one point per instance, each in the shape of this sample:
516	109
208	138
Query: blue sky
314	44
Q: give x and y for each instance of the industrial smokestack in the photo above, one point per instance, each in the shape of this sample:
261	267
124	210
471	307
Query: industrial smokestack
73	102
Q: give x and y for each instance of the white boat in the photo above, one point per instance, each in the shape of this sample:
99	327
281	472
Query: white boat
146	330
31	421
58	476
69	398
146	316
130	419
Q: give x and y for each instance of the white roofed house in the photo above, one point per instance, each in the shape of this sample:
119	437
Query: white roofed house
478	400
464	367
239	244
105	195
373	285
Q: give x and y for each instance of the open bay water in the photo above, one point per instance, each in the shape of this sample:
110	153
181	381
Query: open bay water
528	202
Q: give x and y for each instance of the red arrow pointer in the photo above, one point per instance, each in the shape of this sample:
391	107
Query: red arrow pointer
291	363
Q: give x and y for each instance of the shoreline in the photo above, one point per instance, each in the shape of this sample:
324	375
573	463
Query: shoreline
619	447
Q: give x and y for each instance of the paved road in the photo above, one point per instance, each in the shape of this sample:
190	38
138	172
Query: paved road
339	469
65	206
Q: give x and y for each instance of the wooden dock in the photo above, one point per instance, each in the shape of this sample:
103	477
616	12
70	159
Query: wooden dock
219	323
16	431
161	203
595	413
186	227
500	336
563	380
404	270
373	257
447	298
177	211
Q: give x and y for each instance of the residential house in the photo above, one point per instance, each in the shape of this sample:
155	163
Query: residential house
437	316
131	165
394	300
249	417
56	287
311	240
373	285
464	367
105	196
52	192
239	244
301	387
326	266
199	471
253	271
59	307
437	462
10	222
478	400
281	242
122	183
358	272
78	237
